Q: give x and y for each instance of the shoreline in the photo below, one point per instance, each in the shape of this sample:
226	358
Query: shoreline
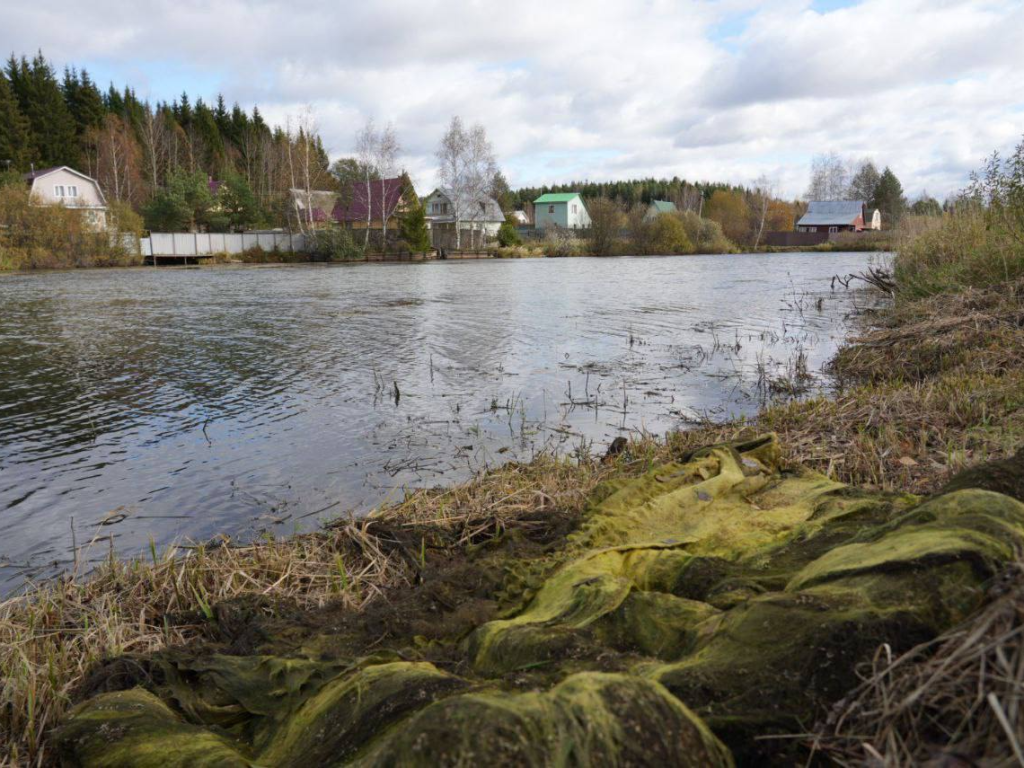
209	262
896	379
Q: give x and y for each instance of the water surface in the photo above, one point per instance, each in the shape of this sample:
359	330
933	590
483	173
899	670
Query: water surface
185	403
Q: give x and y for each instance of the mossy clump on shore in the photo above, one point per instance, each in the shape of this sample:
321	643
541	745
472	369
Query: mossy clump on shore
696	609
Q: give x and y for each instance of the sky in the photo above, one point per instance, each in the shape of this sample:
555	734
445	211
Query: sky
595	89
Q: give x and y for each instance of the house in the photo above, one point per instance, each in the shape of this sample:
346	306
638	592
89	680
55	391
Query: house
350	208
658	207
833	216
560	209
66	186
479	219
385	197
875	222
520	218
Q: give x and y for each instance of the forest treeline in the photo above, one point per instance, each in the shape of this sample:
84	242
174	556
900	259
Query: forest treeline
156	157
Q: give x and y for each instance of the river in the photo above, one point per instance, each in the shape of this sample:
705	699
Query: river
173	404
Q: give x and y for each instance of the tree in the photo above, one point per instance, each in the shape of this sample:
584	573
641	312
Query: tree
762	195
780	216
606	220
386	160
237	202
501	192
15	142
366	153
412	228
889	198
830	177
84	100
117	161
864	183
183	205
41	100
466	168
731	212
926	205
507	235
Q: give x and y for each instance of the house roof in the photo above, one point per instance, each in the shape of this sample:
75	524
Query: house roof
664	206
557	197
829	212
353	206
32	176
44	172
482	209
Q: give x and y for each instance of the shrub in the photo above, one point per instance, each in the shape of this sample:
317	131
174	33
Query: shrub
668	235
335	243
508	236
413	230
705	235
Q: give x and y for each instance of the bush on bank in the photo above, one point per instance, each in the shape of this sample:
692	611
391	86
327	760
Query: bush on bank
54	237
979	242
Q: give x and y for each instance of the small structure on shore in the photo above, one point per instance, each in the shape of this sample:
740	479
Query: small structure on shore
63	185
658	207
560	209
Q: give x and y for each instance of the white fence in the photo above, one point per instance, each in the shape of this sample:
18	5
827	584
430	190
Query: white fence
207	243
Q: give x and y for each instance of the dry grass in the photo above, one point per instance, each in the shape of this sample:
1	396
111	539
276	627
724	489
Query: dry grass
937	385
51	637
956	701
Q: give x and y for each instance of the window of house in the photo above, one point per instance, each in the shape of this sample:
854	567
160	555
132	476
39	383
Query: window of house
574	207
833	230
72	191
551	209
435	207
812	229
483	207
58	190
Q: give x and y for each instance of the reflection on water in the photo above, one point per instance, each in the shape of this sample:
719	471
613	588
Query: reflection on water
186	403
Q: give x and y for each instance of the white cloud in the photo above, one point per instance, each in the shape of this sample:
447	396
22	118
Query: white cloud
702	90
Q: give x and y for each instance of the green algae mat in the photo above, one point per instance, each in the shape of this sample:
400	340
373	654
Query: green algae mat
698	615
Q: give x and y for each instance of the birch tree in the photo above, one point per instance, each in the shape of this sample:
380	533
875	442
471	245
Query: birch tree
830	177
763	193
367	143
386	154
466	168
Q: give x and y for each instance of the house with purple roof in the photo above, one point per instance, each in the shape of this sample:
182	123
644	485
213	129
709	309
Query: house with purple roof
361	206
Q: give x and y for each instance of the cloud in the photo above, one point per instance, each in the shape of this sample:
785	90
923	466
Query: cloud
597	89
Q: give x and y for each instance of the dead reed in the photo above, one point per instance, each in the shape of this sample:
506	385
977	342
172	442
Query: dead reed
957	700
53	635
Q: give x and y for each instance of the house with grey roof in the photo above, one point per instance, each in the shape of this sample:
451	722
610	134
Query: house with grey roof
478	218
833	216
658	207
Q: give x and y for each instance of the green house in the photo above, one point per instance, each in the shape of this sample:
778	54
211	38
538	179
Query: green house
658	207
560	209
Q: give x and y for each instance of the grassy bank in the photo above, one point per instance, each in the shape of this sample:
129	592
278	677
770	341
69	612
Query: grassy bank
932	386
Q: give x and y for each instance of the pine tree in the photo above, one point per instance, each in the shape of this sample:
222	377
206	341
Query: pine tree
889	198
41	100
84	100
15	143
864	183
